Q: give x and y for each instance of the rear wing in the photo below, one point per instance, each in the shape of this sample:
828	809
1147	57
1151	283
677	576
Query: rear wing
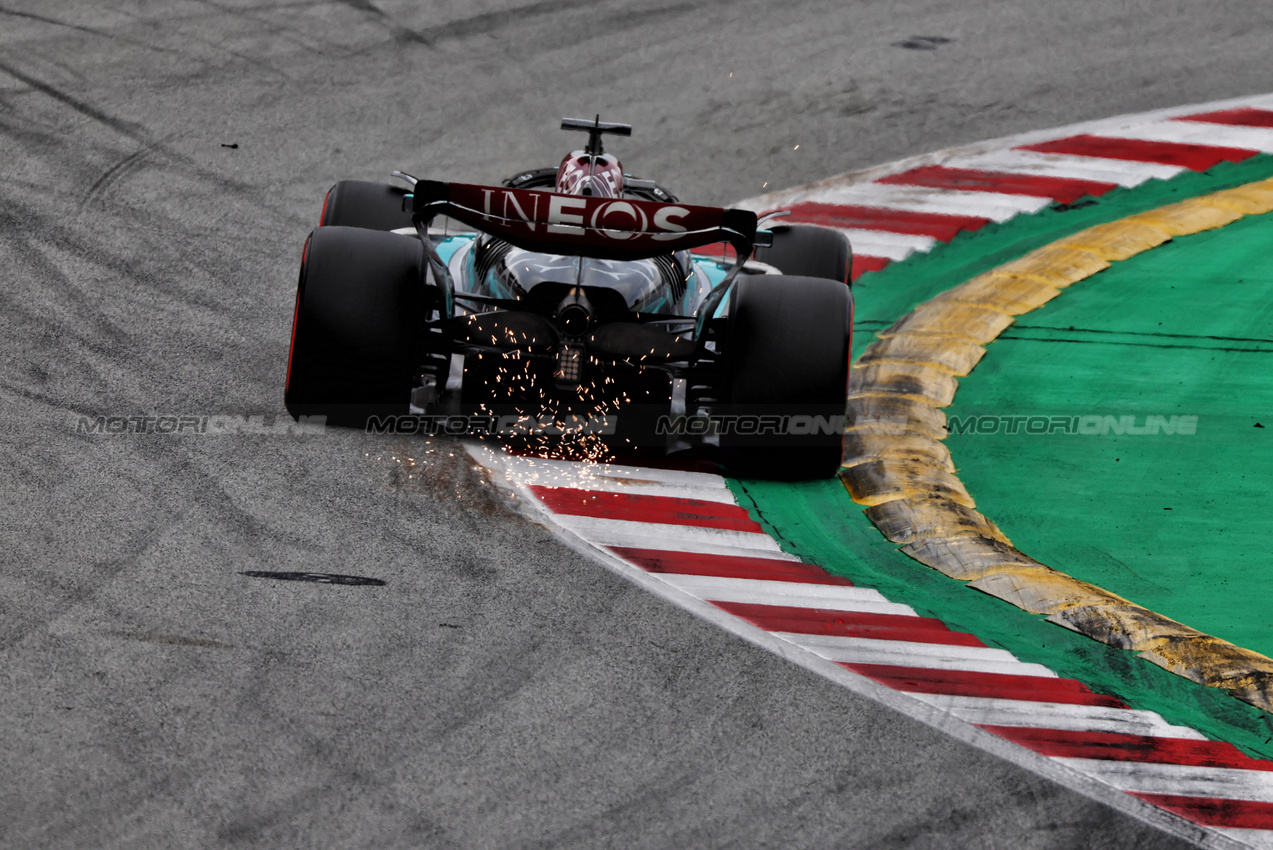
604	228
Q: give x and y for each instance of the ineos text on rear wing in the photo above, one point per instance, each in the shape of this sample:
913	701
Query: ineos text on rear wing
605	228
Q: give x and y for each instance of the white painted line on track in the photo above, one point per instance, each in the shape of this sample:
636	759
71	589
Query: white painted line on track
1259	838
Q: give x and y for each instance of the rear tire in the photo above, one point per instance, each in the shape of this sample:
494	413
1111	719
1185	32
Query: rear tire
359	203
786	355
804	250
360	310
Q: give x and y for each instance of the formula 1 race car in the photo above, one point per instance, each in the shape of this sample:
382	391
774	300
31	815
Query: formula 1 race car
569	302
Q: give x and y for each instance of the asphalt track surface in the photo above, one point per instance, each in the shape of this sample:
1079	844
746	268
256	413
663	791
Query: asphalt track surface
160	165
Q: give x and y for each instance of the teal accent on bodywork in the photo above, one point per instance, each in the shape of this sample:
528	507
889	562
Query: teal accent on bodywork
716	272
713	272
450	244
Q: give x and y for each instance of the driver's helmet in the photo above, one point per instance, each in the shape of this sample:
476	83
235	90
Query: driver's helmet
582	173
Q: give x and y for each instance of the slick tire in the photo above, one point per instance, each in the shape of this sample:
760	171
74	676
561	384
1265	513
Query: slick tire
356	333
359	203
785	373
804	250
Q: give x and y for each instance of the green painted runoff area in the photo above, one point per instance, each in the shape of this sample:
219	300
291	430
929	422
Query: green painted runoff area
1046	504
1178	523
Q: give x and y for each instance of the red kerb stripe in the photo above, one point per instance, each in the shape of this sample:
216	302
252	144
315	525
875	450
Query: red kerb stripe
727	566
660	509
1065	743
1247	116
1194	157
817	621
757	612
863	264
963	683
940	226
1213	811
1063	189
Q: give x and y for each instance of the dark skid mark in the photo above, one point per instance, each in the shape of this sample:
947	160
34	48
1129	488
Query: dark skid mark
629	19
132	131
128	164
1077	205
66	591
138	134
174	640
401	33
78	28
30	137
33	250
922	42
760	516
1137	344
1153	334
317	578
484	23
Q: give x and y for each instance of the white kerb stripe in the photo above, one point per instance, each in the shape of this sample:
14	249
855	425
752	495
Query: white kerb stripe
988	711
991	205
894	658
636	487
1180	779
840	643
672	538
910	654
1200	133
569	473
831	597
880	243
1117	171
1258	838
